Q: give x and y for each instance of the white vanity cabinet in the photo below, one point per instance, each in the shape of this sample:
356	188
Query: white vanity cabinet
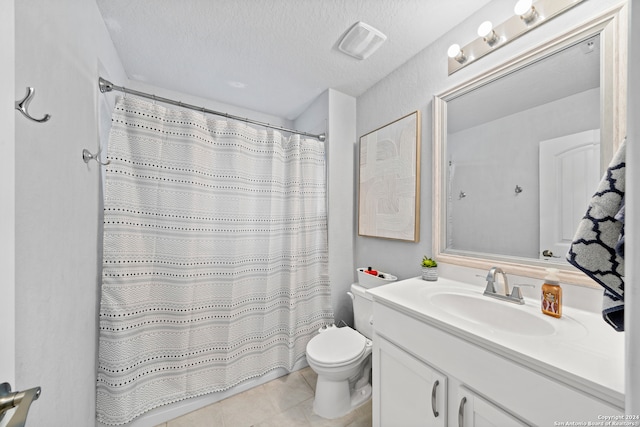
474	411
480	383
412	393
409	392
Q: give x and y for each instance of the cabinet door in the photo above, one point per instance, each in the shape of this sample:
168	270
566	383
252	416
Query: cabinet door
407	392
474	411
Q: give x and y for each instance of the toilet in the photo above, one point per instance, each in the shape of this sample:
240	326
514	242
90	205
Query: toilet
342	359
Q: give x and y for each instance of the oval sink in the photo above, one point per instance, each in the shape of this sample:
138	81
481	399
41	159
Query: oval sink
494	314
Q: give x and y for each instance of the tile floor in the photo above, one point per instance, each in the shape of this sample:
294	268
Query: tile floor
284	402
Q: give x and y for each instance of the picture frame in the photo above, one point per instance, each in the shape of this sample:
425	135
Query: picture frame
389	181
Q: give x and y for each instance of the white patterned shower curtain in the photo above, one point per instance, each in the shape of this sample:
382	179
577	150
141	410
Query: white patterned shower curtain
215	256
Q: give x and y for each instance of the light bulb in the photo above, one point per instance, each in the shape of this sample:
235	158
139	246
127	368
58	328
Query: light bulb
485	29
522	7
454	50
456	53
526	11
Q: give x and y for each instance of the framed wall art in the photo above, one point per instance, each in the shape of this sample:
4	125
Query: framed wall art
389	181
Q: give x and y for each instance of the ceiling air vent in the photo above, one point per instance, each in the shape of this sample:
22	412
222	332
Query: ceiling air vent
361	41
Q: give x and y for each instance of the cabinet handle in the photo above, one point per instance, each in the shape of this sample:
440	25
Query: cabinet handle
461	412
433	399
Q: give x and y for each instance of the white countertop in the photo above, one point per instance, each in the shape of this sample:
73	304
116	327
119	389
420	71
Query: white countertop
583	351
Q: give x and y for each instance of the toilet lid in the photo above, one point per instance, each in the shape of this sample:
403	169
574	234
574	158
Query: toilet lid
336	346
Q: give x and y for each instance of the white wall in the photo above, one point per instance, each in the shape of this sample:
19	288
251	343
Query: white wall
7	192
334	112
412	86
342	138
632	226
60	47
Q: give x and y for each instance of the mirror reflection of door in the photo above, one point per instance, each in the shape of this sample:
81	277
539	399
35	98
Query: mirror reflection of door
569	174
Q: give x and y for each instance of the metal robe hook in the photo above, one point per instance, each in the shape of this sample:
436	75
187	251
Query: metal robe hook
22	106
518	189
86	156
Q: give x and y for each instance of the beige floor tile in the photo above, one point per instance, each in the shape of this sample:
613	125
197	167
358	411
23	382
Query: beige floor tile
283	402
162	425
248	408
366	408
364	416
310	376
288	391
209	416
293	417
317	421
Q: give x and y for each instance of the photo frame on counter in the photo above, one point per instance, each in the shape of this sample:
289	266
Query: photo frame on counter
389	181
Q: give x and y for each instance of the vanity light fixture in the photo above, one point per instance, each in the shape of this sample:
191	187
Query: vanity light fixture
527	16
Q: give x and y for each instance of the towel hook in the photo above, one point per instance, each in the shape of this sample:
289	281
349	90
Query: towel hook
86	156
22	106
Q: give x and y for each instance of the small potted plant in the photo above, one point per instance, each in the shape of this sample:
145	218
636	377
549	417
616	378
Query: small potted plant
429	269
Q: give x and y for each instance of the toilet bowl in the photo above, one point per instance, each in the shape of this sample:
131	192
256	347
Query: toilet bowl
342	359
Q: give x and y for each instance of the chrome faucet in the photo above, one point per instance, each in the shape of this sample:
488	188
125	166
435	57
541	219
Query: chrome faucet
515	296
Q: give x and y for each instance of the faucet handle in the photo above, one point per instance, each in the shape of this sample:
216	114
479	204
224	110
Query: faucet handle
517	292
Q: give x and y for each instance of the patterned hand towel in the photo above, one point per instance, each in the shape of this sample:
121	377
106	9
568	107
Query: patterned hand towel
620	244
594	245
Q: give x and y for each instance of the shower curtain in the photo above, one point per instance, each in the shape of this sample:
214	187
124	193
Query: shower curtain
214	259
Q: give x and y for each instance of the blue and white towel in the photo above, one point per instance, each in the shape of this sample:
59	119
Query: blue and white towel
620	217
598	245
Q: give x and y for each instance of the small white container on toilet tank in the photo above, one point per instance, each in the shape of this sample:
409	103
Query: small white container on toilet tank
369	281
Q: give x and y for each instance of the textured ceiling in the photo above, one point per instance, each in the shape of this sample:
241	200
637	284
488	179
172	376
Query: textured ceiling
272	56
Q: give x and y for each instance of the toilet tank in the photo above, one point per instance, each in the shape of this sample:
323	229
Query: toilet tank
362	310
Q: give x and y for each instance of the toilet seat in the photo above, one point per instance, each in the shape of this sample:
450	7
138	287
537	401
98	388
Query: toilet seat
336	347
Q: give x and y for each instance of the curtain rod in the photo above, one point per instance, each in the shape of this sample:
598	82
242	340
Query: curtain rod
107	86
